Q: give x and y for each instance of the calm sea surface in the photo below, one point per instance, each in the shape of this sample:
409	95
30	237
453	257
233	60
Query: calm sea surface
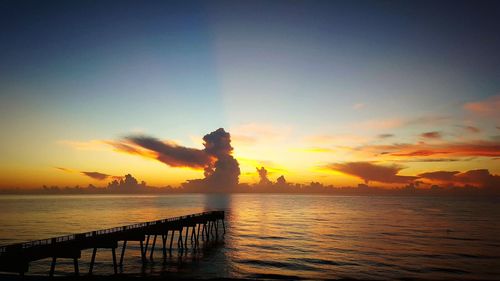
286	236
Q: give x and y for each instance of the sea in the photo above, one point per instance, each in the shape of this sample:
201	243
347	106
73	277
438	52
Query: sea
278	236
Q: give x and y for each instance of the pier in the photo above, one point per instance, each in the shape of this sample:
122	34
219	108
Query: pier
191	228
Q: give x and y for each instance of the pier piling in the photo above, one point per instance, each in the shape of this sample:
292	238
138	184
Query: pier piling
16	257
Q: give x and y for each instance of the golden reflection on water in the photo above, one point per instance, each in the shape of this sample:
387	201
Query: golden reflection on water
322	237
311	236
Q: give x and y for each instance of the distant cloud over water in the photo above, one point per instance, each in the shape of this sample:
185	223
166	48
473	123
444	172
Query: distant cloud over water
220	167
372	172
93	175
479	177
96	175
482	148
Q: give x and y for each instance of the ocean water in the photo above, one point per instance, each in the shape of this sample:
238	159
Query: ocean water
280	236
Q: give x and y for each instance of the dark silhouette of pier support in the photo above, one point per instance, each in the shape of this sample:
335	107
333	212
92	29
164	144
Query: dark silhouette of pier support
103	245
53	266
124	246
16	257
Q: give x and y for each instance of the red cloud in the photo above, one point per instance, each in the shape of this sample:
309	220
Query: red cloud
471	149
372	172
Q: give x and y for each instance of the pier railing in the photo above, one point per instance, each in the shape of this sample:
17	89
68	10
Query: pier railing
16	257
95	233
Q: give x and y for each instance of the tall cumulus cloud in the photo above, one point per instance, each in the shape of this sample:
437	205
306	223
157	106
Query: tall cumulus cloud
221	169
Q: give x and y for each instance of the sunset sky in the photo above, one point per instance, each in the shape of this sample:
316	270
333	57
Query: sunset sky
339	92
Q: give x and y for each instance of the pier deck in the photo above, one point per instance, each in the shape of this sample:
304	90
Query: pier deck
17	257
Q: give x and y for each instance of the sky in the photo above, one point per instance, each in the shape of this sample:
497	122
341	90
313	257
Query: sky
339	92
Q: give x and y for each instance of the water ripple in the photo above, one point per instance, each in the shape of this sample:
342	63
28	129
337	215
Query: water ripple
284	236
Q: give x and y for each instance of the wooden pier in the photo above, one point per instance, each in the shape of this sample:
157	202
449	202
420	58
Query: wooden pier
203	226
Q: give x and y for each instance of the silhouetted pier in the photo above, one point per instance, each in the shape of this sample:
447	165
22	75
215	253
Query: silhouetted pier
204	226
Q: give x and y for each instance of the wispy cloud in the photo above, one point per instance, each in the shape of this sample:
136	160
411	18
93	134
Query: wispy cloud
471	129
96	175
431	135
358	106
451	149
254	132
378	124
426	120
313	150
65	169
335	140
487	107
93	175
431	160
85	145
385	136
393	123
244	140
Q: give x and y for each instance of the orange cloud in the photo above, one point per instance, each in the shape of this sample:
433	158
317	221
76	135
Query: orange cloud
477	148
368	171
163	151
489	106
85	145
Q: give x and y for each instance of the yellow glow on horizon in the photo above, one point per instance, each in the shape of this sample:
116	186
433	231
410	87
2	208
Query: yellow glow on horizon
300	160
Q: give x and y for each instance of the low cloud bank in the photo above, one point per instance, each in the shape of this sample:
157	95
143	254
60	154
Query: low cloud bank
369	171
479	178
